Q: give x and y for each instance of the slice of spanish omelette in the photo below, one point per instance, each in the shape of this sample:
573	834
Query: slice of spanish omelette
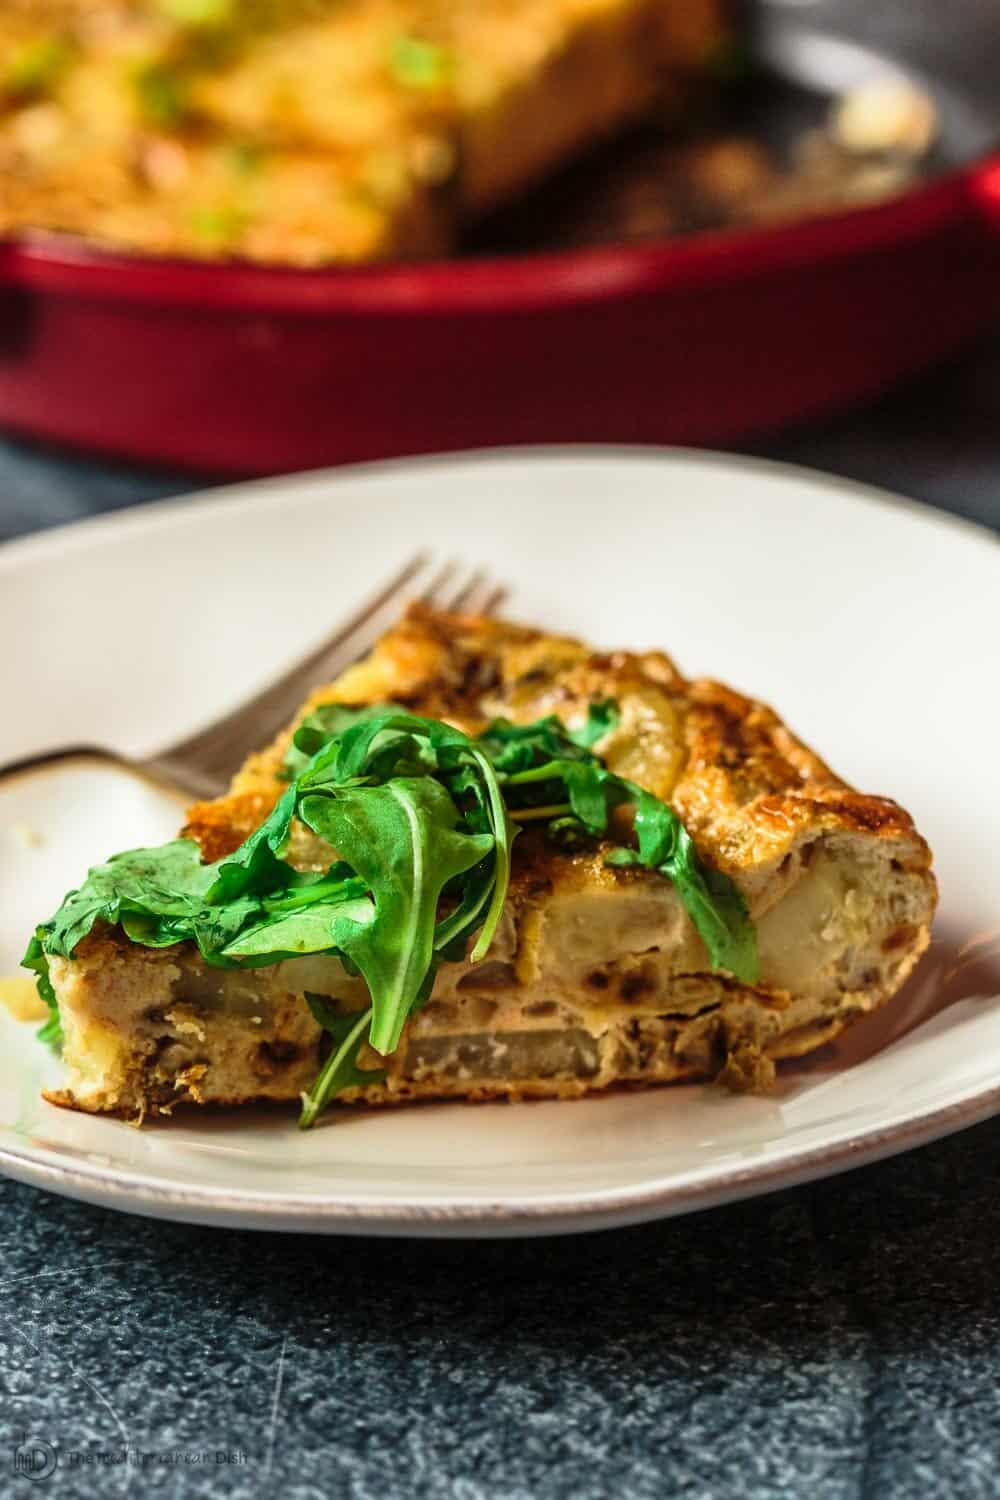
488	862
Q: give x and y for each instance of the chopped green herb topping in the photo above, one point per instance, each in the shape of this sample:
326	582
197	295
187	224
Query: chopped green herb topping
218	224
34	67
196	13
420	64
162	93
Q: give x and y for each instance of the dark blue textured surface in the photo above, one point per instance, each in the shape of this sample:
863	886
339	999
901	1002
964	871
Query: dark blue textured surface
839	1341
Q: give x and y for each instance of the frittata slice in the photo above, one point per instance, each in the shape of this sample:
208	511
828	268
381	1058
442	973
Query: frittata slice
597	975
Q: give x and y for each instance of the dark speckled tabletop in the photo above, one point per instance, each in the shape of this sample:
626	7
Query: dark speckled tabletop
836	1341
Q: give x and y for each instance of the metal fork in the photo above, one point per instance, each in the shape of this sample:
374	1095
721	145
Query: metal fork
203	764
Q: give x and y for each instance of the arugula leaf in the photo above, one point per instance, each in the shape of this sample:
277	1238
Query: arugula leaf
37	960
716	906
325	723
305	931
591	791
603	715
258	859
164	896
169	882
504	834
340	1071
403	840
385	739
568	833
452	933
383	744
712	901
585	788
310	888
514	748
519	747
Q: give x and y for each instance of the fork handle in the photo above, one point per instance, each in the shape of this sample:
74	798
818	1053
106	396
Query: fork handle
174	775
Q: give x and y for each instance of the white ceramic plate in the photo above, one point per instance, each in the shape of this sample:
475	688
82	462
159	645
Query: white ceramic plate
871	624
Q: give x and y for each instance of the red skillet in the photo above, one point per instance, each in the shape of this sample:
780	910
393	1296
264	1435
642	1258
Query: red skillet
249	370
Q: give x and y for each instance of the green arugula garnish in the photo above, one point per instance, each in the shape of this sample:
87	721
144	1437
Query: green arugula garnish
551	775
340	1071
321	726
36	959
422	818
712	901
404	841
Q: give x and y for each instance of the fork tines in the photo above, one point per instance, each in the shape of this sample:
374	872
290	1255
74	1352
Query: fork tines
208	759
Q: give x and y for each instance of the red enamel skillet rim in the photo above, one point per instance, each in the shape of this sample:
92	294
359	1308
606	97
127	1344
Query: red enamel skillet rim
492	285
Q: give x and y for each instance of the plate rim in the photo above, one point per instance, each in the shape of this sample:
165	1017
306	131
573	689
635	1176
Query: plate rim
244	491
498	1215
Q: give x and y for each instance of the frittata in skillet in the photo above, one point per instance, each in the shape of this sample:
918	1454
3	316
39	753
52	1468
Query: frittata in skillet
307	132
